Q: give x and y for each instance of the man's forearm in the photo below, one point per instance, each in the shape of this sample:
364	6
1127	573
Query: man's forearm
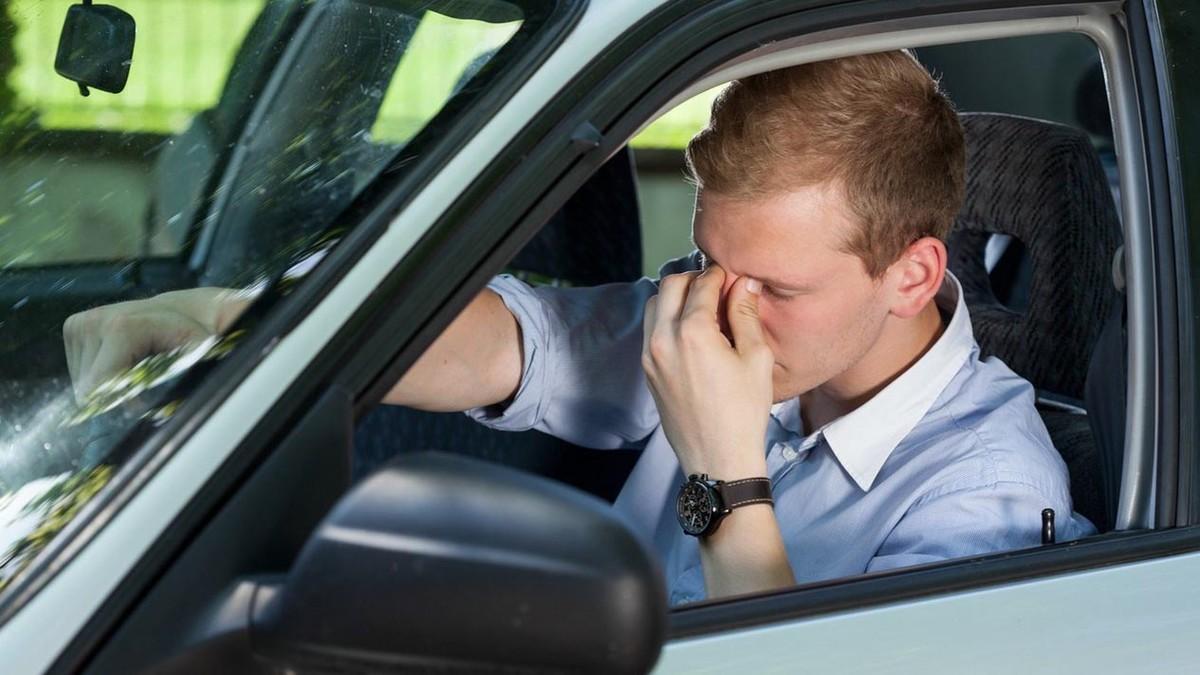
746	554
475	362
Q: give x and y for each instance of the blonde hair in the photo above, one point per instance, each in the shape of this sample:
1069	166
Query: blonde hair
878	125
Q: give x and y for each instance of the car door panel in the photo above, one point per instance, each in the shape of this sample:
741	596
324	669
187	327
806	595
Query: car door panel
1124	618
257	532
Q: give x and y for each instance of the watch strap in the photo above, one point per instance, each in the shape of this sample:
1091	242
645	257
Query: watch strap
745	491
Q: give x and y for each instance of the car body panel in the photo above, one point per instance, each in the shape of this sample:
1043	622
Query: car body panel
1121	619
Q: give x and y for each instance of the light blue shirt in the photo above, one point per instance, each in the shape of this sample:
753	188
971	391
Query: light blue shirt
949	460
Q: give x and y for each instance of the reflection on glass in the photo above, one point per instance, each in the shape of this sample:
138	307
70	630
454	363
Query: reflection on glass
211	169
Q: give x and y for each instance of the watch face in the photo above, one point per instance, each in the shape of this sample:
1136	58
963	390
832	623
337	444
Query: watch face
695	507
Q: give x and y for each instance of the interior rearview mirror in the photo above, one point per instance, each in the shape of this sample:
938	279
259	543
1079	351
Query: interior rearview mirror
96	47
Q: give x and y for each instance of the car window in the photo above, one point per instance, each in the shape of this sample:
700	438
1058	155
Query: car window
1056	349
109	152
1009	77
238	177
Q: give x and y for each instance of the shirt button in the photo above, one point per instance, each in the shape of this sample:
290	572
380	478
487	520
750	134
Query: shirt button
789	453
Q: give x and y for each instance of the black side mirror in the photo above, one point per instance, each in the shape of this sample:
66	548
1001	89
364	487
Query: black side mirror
96	47
441	561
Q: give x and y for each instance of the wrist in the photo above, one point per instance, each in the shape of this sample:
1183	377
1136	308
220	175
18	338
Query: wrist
727	467
218	308
746	554
744	527
228	311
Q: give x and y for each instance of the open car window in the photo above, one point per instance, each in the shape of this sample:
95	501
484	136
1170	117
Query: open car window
246	188
1076	365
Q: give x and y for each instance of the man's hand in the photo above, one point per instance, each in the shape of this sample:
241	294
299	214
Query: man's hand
713	396
105	341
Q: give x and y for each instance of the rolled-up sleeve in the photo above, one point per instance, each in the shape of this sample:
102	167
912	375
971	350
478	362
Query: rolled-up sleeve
527	408
582	378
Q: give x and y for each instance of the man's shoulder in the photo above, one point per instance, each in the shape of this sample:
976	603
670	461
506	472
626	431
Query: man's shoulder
985	431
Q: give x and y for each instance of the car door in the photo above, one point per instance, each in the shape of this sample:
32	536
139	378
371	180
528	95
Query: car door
993	607
967	619
1007	610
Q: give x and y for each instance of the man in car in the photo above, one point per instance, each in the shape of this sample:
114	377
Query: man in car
806	388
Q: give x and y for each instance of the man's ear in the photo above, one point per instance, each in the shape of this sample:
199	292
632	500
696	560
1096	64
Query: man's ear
916	276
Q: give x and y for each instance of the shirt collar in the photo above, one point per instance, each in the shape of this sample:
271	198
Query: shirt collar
863	439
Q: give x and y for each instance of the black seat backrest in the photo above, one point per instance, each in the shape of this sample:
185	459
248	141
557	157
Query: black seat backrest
1043	185
594	239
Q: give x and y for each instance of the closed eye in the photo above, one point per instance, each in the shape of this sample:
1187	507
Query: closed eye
782	295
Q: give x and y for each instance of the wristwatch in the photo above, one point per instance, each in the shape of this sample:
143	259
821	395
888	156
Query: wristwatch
702	503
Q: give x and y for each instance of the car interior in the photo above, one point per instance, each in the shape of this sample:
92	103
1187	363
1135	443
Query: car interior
1040	191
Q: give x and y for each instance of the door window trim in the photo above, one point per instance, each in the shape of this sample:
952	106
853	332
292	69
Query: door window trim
1162	34
619	120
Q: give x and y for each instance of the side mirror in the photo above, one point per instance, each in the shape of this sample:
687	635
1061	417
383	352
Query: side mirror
440	561
96	47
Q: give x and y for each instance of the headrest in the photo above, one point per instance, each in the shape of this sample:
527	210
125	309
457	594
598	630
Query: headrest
1043	184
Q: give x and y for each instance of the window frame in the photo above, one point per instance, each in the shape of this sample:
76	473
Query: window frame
1165	38
502	210
152	448
664	79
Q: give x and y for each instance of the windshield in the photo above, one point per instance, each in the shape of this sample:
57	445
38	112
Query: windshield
229	159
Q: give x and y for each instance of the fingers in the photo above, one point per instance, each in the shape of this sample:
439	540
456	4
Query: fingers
649	318
71	345
744	323
704	295
672	293
104	344
81	341
109	358
106	341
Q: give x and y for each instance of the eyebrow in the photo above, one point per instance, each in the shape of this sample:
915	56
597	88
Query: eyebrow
706	260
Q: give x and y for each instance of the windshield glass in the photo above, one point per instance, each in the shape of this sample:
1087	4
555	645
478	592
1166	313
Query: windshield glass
227	161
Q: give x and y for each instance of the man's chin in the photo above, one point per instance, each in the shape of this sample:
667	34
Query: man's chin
785	386
786	391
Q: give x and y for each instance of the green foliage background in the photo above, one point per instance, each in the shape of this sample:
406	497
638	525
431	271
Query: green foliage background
8	57
184	49
182	55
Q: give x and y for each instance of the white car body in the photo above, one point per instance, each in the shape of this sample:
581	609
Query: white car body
1123	617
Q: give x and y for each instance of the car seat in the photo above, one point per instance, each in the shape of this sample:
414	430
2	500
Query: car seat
595	238
1042	184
